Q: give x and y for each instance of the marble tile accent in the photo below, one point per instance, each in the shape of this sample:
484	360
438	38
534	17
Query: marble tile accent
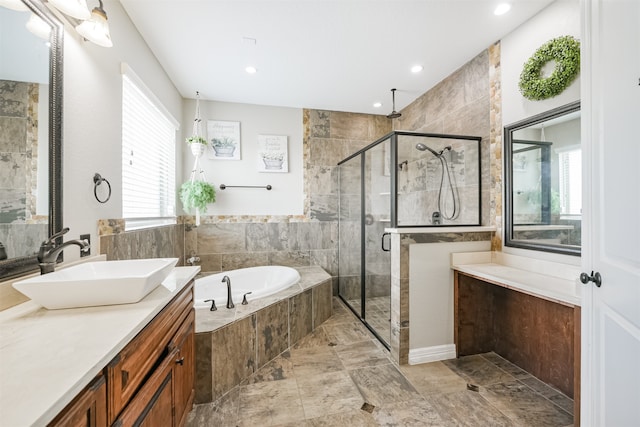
300	313
478	370
468	408
236	339
224	412
361	354
272	329
415	412
519	402
159	242
321	302
317	338
328	393
433	378
280	368
347	333
494	163
381	385
269	403
315	360
356	418
233	261
221	238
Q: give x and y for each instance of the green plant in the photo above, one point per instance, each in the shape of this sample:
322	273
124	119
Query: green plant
197	194
196	140
565	51
223	142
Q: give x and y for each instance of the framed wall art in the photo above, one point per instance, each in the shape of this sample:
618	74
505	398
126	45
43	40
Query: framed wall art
273	155
224	140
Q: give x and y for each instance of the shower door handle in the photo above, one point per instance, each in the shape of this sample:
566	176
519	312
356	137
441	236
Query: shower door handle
382	242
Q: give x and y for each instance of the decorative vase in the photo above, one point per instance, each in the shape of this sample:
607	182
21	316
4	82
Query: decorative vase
224	151
197	149
272	164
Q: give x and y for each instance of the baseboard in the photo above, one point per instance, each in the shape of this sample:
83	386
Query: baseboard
432	354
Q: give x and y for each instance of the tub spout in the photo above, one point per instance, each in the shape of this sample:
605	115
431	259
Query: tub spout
226	280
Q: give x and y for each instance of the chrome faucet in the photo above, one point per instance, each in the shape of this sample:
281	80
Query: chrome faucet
49	251
230	303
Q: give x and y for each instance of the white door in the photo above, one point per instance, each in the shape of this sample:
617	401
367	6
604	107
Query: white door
611	114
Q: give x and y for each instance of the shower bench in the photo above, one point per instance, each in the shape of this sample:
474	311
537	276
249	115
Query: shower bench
505	305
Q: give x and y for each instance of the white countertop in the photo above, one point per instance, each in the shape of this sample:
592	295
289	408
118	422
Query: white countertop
48	356
442	229
549	280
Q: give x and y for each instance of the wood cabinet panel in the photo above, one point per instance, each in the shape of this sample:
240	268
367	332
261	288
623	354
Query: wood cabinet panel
184	370
128	370
88	409
152	406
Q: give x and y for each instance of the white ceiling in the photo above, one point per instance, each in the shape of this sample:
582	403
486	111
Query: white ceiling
340	55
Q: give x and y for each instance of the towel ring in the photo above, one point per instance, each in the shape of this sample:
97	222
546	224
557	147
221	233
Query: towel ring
97	180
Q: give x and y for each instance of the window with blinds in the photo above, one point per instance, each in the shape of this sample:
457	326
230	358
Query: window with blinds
570	162
148	157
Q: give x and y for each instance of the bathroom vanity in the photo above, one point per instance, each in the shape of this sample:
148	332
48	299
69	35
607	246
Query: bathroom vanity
527	311
111	365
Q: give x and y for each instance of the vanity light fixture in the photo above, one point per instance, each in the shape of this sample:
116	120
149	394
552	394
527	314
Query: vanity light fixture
501	9
74	8
417	68
38	27
96	29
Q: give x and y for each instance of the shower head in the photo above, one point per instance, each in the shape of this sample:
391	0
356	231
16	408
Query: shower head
422	147
394	114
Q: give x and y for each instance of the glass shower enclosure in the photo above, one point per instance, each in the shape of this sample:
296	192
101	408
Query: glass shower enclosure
402	180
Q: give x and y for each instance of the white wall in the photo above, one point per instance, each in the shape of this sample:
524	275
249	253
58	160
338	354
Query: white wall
561	18
287	196
92	121
431	293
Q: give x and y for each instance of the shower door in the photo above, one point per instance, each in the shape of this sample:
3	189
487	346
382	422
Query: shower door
365	265
377	255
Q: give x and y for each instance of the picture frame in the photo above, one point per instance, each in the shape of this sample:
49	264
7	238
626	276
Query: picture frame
224	140
273	154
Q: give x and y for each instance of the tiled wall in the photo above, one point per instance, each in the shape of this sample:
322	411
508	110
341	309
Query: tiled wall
160	242
21	230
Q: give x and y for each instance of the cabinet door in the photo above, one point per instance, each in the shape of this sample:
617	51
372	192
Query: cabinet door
153	405
184	370
88	409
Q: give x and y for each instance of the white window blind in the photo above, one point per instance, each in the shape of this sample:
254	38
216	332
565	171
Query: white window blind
570	162
148	158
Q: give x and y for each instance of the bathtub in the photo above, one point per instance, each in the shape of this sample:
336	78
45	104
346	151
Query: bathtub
260	281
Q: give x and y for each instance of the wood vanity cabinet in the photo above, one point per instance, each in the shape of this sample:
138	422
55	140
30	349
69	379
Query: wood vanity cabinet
89	408
150	382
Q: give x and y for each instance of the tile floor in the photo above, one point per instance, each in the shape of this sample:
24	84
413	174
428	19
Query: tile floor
341	376
378	314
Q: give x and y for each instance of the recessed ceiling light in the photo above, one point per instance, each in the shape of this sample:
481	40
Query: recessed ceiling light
502	8
417	68
251	70
377	104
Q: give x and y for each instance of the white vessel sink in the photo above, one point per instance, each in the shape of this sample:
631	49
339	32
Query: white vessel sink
97	283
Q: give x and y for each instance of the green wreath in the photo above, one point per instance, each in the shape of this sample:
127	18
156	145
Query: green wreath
565	51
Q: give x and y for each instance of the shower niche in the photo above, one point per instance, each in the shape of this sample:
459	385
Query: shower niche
403	180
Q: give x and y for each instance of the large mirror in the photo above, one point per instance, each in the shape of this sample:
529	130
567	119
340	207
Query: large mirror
543	182
30	132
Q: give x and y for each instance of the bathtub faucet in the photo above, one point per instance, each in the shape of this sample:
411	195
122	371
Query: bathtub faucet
229	299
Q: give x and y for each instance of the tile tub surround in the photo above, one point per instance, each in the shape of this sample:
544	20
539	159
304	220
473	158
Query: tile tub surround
231	344
49	356
325	380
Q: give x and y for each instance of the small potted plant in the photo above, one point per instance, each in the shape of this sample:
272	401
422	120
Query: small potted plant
197	144
224	147
197	194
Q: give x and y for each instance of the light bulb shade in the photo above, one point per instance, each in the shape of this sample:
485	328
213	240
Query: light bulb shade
75	8
96	29
38	27
16	5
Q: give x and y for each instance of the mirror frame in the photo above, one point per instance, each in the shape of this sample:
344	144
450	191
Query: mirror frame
508	182
28	264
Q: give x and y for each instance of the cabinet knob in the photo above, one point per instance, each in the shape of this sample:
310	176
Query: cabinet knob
180	361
